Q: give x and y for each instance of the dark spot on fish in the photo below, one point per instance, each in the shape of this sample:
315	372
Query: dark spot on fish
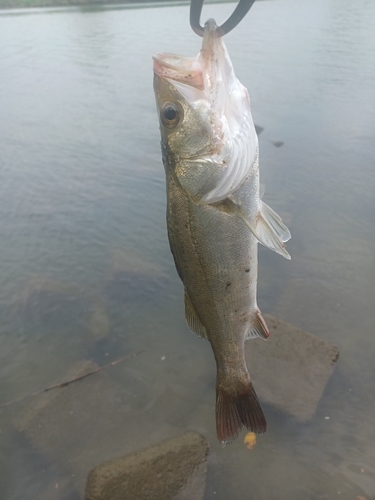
244	317
228	285
247	270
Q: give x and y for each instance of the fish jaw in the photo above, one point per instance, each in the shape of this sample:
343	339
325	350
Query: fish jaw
217	125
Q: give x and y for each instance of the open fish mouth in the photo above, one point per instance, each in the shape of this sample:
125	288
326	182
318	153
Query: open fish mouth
202	72
208	76
179	69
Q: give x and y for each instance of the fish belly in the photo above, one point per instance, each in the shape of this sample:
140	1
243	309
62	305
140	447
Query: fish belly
216	257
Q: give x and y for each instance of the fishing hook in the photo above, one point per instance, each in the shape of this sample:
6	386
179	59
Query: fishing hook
238	14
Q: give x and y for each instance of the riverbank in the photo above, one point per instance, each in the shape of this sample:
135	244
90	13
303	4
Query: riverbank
17	4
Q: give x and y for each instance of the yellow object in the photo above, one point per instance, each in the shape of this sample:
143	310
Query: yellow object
250	440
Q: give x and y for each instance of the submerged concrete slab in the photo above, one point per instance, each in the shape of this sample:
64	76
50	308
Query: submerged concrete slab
100	322
172	470
291	369
88	422
125	260
97	419
60	489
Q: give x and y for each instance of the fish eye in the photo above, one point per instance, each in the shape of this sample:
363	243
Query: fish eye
170	114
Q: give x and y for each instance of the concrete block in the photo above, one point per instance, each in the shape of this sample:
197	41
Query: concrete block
291	369
299	294
172	470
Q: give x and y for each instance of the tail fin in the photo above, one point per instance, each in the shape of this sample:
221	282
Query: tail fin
237	408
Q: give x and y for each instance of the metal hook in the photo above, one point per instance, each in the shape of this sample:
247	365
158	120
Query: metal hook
239	13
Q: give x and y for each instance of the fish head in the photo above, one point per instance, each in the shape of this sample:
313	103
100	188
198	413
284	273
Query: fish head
204	112
184	112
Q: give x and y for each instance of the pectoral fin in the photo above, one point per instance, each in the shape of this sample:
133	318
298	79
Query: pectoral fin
193	321
274	220
269	229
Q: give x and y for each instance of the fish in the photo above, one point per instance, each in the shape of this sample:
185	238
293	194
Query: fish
215	216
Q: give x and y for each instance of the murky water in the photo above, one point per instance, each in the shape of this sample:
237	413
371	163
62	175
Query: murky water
86	272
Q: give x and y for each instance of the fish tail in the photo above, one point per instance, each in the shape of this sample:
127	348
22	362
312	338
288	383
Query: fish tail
237	407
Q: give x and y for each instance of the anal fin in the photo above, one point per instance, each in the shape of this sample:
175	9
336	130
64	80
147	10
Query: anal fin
192	319
258	328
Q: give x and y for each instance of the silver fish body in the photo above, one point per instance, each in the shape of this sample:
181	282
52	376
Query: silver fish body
215	217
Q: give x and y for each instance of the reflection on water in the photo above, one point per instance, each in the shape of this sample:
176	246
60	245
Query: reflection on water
86	272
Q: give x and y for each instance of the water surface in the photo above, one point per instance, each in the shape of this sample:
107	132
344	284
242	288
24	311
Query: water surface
86	271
